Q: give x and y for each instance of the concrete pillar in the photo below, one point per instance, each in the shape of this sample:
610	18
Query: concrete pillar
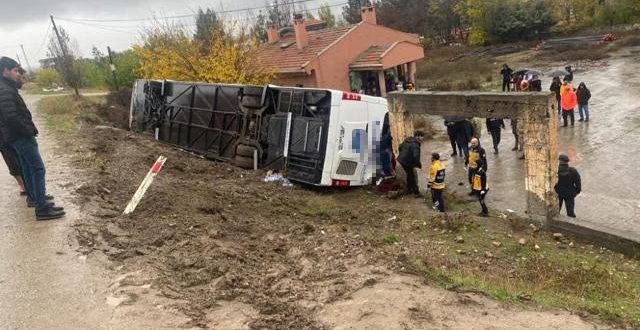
412	73
400	122
541	160
382	84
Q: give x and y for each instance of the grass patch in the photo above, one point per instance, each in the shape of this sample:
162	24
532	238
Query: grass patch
438	72
578	280
391	238
65	113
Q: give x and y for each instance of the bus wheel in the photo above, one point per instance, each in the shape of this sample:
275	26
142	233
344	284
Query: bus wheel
245	151
243	162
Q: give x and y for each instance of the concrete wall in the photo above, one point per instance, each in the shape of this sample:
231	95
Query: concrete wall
295	79
536	113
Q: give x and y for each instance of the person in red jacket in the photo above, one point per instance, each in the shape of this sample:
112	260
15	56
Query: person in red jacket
568	103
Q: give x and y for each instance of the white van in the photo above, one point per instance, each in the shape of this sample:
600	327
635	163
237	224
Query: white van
320	137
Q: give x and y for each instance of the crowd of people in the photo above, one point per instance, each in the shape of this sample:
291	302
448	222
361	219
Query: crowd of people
464	137
18	143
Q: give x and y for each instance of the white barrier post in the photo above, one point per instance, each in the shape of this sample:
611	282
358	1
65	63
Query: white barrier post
137	197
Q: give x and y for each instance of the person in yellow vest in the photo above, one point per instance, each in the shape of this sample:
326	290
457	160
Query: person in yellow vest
436	181
480	186
475	152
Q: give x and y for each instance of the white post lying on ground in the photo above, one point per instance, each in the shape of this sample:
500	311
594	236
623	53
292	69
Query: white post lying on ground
137	197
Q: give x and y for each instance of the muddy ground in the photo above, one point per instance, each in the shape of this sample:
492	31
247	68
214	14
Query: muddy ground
234	252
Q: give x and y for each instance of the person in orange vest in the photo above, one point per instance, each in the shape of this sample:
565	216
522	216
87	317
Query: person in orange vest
568	101
436	181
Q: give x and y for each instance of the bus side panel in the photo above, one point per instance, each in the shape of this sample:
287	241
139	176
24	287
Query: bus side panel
332	139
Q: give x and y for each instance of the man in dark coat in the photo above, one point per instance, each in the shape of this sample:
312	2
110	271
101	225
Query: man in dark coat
568	186
19	131
555	88
451	122
409	158
506	73
494	126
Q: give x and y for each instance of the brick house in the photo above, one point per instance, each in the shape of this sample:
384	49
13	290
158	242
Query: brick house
365	57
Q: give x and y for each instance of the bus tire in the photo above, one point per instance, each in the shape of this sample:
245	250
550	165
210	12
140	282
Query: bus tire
245	151
243	162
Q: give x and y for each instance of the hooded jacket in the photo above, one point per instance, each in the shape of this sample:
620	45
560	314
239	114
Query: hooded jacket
15	117
409	153
569	99
584	94
569	183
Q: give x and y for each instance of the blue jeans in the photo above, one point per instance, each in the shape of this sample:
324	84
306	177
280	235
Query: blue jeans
584	111
33	170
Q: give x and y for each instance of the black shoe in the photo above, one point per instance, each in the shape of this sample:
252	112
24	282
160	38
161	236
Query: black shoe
564	125
32	203
471	193
580	119
571	215
514	149
484	215
23	193
454	154
495	151
49	214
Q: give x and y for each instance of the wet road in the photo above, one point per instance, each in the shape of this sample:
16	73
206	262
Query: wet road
605	151
44	282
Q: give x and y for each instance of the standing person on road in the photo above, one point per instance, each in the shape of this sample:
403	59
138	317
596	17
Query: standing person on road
494	126
516	136
409	158
584	94
436	181
568	102
476	152
506	73
9	155
479	185
555	87
569	185
451	122
19	131
464	135
568	77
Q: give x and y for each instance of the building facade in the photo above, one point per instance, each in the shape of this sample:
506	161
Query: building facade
366	57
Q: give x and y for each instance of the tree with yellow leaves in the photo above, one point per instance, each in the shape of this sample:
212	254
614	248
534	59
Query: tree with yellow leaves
169	52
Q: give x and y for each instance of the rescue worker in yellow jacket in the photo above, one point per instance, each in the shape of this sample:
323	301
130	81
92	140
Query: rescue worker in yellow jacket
436	181
475	152
480	186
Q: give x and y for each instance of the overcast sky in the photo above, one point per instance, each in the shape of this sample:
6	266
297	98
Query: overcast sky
26	22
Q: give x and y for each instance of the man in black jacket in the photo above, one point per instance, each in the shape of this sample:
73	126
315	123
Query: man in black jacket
409	158
568	186
19	131
495	127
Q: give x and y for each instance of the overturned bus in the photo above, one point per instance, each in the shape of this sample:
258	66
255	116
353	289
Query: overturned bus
320	137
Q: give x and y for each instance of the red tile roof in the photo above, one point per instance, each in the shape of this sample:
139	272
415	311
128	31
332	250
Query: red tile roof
371	57
287	59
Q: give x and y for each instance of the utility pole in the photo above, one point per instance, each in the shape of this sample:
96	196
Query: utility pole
26	59
65	59
18	59
113	69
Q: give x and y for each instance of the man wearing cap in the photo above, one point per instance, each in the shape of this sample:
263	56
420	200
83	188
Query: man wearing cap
568	186
19	132
436	181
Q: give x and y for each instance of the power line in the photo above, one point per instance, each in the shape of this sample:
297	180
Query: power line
187	15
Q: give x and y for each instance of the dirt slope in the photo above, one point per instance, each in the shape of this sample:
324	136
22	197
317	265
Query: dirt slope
235	252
